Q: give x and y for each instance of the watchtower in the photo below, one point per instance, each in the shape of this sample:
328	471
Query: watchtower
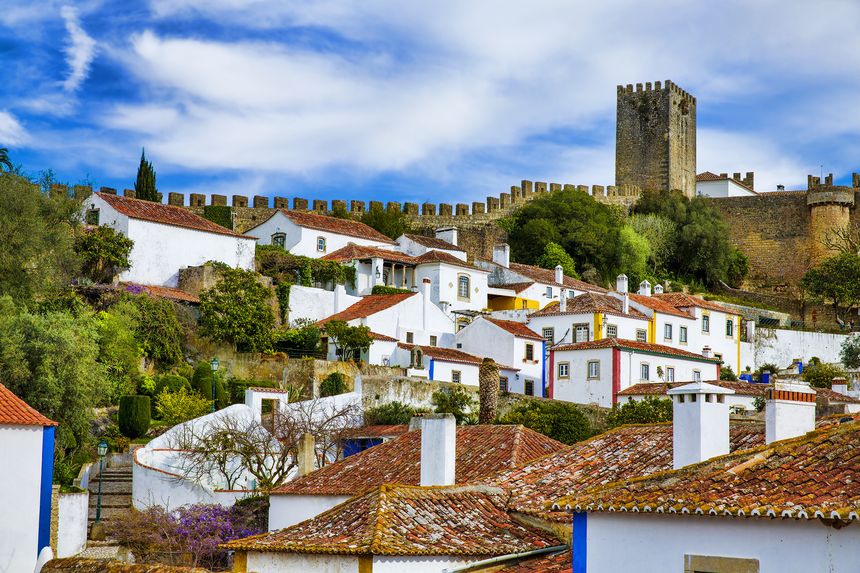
655	137
829	210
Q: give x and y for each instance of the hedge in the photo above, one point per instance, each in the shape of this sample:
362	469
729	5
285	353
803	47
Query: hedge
134	416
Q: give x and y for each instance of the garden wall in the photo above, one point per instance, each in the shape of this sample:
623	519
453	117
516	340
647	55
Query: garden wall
781	346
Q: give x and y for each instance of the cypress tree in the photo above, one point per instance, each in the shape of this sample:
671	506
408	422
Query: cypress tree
144	186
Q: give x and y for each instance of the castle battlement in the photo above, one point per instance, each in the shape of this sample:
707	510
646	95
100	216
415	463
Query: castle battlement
648	87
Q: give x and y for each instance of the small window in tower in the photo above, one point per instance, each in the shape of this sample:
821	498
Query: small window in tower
279	240
320	244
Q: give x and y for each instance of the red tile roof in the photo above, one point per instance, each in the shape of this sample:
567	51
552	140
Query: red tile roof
162	292
16	412
684	300
809	477
450	355
658	305
622	453
368	306
589	303
408	520
447	258
516	287
432	242
353	252
516	328
709	176
635	346
334	225
164	214
560	562
547	276
481	451
740	388
382	337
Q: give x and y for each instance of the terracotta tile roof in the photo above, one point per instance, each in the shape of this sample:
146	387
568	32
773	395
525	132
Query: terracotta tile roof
432	242
684	300
16	412
809	477
553	563
334	225
382	337
165	214
635	346
84	565
450	355
740	388
161	292
658	305
443	257
367	306
353	252
379	431
408	520
589	303
515	328
709	176
622	453
516	287
481	451
547	276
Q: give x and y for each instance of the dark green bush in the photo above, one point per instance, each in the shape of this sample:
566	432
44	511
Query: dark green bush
201	383
172	382
219	214
649	411
559	420
134	416
334	384
236	388
383	289
390	414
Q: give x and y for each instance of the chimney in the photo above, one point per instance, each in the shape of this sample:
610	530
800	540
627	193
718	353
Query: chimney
559	274
438	449
425	303
562	300
339	298
448	234
621	283
306	454
502	255
376	271
840	385
658	289
706	351
625	303
645	288
789	410
700	423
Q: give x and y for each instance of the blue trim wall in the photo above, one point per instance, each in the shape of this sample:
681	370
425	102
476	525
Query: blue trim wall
47	479
543	368
580	542
432	363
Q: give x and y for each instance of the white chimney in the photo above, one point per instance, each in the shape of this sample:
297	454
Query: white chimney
425	303
625	303
658	289
645	288
559	274
562	300
438	449
700	423
502	255
789	410
339	298
448	234
621	283
706	351
376	271
306	454
840	385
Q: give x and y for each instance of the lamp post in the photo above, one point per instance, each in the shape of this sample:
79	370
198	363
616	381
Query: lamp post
214	364
102	450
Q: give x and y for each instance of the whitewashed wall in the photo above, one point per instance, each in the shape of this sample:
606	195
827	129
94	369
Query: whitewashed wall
445	279
72	514
780	346
287	510
485	339
423	564
302	241
658	543
578	388
21	448
301	563
726	346
415	249
316	303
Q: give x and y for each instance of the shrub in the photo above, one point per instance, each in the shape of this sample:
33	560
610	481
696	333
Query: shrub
219	214
850	352
158	330
348	340
821	375
649	411
172	382
103	252
455	400
237	310
726	373
334	384
134	416
385	289
302	338
559	420
390	414
181	406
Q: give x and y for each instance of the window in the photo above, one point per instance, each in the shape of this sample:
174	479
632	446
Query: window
462	323
593	369
410	338
580	332
667	331
611	331
503	384
706	323
549	335
644	371
670	374
433	341
564	369
417	359
320	244
92	217
549	292
719	357
530	352
530	387
463	287
697	376
456	376
712	564
730	328
682	334
641	335
279	240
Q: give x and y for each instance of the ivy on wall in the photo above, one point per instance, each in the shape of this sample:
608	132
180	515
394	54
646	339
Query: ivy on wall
220	215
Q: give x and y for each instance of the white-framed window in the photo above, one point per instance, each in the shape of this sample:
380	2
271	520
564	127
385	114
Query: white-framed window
641	335
670	374
644	371
611	331
564	369
320	244
456	376
667	332
463	287
549	292
682	334
433	341
279	240
503	384
410	338
92	217
593	369
730	328
530	388
706	323
580	332
530	352
549	335
697	376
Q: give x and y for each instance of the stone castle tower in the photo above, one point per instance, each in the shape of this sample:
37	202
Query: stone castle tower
830	209
655	137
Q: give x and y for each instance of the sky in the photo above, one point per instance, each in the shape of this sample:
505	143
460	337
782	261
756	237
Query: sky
443	101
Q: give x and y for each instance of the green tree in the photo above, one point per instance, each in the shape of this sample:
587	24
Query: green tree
119	349
390	414
661	235
850	352
635	252
836	279
821	375
237	310
134	416
348	339
738	268
560	421
651	410
158	329
4	160
726	373
554	255
144	185
457	401
181	406
103	253
390	223
334	384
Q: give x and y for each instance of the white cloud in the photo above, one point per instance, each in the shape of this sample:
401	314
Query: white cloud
11	131
80	50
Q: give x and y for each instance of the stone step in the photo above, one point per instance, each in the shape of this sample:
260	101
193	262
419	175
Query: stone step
112	500
112	487
109	513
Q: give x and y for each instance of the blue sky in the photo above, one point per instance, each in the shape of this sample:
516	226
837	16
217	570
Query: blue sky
416	101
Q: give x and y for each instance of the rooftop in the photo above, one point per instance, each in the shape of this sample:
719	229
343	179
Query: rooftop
553	563
335	225
684	300
353	252
709	176
164	214
635	346
740	388
658	305
16	412
481	451
809	477
516	328
432	242
450	355
378	431
589	303
547	276
368	306
408	520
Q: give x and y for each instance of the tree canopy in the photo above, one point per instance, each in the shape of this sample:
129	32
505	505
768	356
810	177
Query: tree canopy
144	185
390	223
553	256
237	309
837	280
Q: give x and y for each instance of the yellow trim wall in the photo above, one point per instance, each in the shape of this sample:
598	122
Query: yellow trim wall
598	326
652	329
512	303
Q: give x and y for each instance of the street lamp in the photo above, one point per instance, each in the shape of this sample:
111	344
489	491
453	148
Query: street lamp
214	364
102	450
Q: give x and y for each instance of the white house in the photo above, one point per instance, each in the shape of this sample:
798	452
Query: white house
166	238
595	372
314	235
448	365
446	240
712	185
508	343
27	446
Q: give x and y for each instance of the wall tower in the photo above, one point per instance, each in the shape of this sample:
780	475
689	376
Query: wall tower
655	137
829	209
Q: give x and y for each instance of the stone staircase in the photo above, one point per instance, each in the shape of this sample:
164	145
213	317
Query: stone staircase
116	493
